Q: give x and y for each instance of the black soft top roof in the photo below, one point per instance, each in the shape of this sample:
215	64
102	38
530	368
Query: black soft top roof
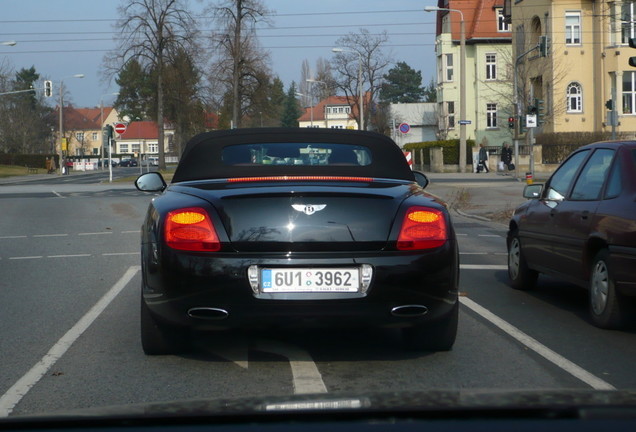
202	157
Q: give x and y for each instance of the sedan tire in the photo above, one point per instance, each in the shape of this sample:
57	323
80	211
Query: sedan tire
607	305
434	336
160	339
521	276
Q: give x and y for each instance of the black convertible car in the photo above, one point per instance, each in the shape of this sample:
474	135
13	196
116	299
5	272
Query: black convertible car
293	227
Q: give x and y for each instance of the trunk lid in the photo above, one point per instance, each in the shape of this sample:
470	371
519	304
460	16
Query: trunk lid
300	218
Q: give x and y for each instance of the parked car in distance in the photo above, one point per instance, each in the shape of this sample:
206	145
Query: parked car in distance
113	162
152	161
296	227
128	163
580	227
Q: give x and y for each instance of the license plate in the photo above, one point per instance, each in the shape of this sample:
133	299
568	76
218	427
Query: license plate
310	280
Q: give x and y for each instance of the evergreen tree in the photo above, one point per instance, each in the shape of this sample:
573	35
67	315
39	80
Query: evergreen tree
402	84
291	111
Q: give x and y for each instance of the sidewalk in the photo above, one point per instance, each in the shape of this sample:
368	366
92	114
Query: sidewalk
485	196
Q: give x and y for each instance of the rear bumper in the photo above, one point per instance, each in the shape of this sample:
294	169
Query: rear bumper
183	282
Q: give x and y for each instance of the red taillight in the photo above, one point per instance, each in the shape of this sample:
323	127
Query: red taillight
422	228
191	229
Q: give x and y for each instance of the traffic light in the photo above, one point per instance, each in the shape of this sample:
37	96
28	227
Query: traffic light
632	44
543	46
511	122
532	109
48	88
540	110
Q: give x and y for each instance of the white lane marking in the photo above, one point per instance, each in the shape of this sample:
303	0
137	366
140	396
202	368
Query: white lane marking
14	395
25	257
60	196
95	233
121	253
482	267
49	235
307	378
69	256
531	343
131	232
461	234
473	253
13	237
488	235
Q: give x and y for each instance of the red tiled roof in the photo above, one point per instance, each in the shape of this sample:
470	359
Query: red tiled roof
319	109
78	119
480	19
141	130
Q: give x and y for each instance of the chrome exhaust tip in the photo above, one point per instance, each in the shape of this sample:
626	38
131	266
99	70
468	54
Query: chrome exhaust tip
208	313
409	310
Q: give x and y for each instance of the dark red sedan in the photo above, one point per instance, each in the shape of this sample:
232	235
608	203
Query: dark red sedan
581	227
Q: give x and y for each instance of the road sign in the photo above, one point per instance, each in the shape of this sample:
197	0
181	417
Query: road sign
531	120
464	122
404	128
120	128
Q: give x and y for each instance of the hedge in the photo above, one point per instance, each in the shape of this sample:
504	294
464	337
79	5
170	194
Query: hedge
28	160
450	149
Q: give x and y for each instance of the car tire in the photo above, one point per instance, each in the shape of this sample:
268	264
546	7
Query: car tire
607	305
521	276
160	339
437	335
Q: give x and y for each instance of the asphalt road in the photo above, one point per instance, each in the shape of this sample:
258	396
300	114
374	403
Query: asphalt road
69	333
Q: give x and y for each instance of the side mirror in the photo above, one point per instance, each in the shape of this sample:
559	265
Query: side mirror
532	191
421	179
151	182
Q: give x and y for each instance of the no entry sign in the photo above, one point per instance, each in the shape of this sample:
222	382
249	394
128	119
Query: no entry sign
120	128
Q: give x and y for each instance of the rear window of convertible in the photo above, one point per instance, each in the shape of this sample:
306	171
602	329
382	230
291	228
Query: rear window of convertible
298	154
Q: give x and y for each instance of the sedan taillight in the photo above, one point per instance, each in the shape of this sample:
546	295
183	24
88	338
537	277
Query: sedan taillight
422	228
191	229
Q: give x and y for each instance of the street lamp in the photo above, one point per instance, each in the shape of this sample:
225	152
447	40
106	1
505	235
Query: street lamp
462	85
60	151
311	97
338	50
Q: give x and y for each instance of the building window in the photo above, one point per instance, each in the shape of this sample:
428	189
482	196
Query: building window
448	66
79	136
628	21
95	134
123	148
491	115
450	108
502	26
573	28
629	92
491	66
95	151
153	148
135	148
574	98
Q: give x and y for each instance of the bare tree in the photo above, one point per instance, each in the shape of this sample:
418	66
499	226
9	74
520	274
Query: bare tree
238	50
367	49
151	31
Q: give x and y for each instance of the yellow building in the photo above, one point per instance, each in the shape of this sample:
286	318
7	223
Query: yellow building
584	64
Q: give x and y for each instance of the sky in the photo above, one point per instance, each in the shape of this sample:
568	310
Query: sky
62	38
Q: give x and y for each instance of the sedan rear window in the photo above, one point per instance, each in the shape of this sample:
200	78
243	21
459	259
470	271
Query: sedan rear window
299	154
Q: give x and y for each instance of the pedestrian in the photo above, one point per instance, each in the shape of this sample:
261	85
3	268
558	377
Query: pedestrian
506	155
483	159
